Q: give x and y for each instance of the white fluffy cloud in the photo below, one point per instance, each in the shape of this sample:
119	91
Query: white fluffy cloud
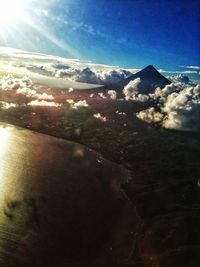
100	117
76	105
33	94
70	90
180	78
112	94
43	103
60	72
178	107
131	91
80	103
6	105
88	75
23	86
9	82
26	91
45	96
114	76
150	115
160	95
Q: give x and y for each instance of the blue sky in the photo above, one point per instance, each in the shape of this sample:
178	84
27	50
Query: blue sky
126	33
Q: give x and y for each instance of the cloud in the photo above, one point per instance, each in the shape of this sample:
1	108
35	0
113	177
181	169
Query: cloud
70	90
9	82
76	105
131	91
70	101
27	92
112	94
102	95
67	73
6	105
181	72
40	70
80	103
100	117
182	109
114	76
120	113
33	94
20	56
180	78
88	75
45	96
191	67
162	70
44	80
178	107
45	68
160	95
150	115
43	103
23	86
61	66
190	72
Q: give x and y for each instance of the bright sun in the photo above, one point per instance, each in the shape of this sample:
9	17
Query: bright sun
11	11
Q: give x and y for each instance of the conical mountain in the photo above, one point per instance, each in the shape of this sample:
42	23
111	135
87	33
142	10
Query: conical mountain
150	80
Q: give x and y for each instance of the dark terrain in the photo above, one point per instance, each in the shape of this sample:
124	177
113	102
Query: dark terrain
159	225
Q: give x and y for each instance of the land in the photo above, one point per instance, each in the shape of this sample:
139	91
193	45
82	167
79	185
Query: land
163	166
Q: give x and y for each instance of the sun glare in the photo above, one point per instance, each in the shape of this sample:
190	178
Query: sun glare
11	11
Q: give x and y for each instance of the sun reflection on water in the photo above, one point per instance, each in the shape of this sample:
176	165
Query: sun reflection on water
3	148
3	137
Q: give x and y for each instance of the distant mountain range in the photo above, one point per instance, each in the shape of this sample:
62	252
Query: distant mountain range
150	80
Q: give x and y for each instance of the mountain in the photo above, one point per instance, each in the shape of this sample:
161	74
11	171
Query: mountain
150	80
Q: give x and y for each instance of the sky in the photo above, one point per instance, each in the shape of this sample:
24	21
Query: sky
125	33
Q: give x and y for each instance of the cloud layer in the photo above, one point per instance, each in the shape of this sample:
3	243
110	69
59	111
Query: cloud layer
88	75
191	67
63	68
24	86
